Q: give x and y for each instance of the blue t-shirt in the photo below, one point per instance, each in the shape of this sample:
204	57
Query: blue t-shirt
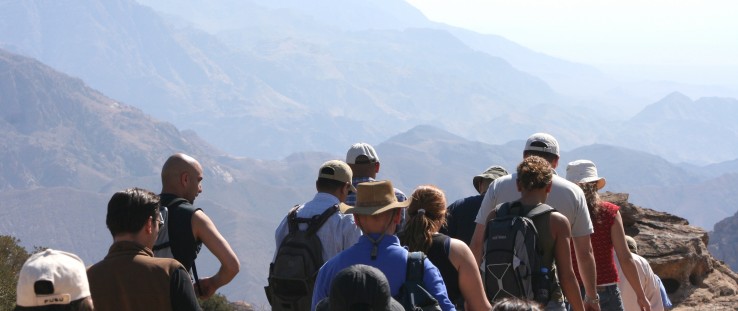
391	260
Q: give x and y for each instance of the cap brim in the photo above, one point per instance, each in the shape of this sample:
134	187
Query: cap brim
374	210
351	187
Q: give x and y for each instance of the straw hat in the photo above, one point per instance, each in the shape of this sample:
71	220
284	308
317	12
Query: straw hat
374	197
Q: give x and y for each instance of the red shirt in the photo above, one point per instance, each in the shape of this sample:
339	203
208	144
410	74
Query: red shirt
602	246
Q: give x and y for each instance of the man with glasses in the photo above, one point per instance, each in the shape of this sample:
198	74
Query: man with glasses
129	277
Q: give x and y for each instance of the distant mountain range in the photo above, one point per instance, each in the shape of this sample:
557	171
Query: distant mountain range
244	74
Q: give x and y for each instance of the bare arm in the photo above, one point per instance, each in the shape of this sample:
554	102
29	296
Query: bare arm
617	234
561	231
204	230
477	243
587	269
470	281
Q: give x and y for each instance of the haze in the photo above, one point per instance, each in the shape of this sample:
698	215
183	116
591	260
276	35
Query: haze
684	41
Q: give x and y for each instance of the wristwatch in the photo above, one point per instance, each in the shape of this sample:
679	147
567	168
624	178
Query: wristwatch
592	301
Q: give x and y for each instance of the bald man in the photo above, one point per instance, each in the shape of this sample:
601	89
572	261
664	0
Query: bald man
189	227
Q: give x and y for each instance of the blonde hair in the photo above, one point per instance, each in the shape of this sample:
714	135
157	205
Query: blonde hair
534	173
426	215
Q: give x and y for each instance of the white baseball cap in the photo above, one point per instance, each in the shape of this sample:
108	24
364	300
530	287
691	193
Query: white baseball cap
361	149
542	142
65	276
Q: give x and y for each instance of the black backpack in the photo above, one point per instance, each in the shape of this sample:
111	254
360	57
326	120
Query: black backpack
299	257
413	295
513	265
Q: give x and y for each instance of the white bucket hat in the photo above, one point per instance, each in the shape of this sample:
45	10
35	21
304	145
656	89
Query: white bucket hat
584	171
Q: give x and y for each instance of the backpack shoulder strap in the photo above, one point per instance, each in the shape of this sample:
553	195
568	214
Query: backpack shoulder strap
539	210
415	267
318	221
292	219
504	209
175	203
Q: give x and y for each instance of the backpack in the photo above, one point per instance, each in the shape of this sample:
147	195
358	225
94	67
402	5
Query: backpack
413	295
513	264
299	257
163	246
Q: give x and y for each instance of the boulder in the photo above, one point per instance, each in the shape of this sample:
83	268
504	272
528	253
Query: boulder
677	252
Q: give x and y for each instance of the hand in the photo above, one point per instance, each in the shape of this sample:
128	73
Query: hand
644	304
208	288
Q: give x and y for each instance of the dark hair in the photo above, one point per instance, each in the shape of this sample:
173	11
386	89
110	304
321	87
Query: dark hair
593	199
550	157
82	304
418	232
328	185
534	173
130	209
516	304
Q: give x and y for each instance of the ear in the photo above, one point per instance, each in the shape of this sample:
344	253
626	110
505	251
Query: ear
548	188
397	216
555	163
149	225
376	167
517	182
184	178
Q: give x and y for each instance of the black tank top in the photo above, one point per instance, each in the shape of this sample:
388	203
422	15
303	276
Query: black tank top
438	255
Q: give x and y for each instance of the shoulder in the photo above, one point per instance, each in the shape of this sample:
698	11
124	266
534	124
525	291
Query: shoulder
558	220
610	207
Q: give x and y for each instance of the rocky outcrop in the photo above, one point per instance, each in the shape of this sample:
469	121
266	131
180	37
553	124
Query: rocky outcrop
724	241
678	254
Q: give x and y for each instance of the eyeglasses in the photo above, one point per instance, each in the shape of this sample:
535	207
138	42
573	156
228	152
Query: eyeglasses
159	220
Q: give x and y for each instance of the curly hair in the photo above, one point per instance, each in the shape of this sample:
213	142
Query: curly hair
593	199
534	173
427	213
516	304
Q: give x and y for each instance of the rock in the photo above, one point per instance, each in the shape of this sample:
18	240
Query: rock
677	252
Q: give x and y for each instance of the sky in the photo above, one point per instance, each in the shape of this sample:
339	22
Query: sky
690	41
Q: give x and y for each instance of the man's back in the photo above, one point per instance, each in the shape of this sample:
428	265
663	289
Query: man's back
461	216
129	278
566	197
391	260
650	284
183	246
338	233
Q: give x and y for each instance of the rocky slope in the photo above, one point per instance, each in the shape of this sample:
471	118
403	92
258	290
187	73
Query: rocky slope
678	253
723	241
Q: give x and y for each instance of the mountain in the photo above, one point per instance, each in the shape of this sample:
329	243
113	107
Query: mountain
723	241
682	130
67	148
243	84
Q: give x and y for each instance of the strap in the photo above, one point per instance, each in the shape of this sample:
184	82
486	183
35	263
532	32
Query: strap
316	223
415	267
172	205
503	209
197	279
292	219
539	210
176	203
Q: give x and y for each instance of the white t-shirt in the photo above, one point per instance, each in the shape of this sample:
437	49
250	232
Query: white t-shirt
566	197
649	282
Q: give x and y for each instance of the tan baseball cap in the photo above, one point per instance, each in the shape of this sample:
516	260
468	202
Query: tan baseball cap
337	170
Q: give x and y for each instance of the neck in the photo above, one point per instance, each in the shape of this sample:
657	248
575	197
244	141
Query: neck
533	197
130	237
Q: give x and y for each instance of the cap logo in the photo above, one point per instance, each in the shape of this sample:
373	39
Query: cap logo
61	299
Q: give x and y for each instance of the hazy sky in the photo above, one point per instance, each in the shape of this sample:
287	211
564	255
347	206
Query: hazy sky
692	41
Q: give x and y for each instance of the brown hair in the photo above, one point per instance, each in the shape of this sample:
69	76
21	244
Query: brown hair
426	214
593	199
534	173
516	304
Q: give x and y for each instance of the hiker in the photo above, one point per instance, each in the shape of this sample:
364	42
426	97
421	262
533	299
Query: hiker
452	257
534	181
320	218
377	213
130	278
359	288
188	227
53	280
461	214
608	236
565	197
364	163
648	279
